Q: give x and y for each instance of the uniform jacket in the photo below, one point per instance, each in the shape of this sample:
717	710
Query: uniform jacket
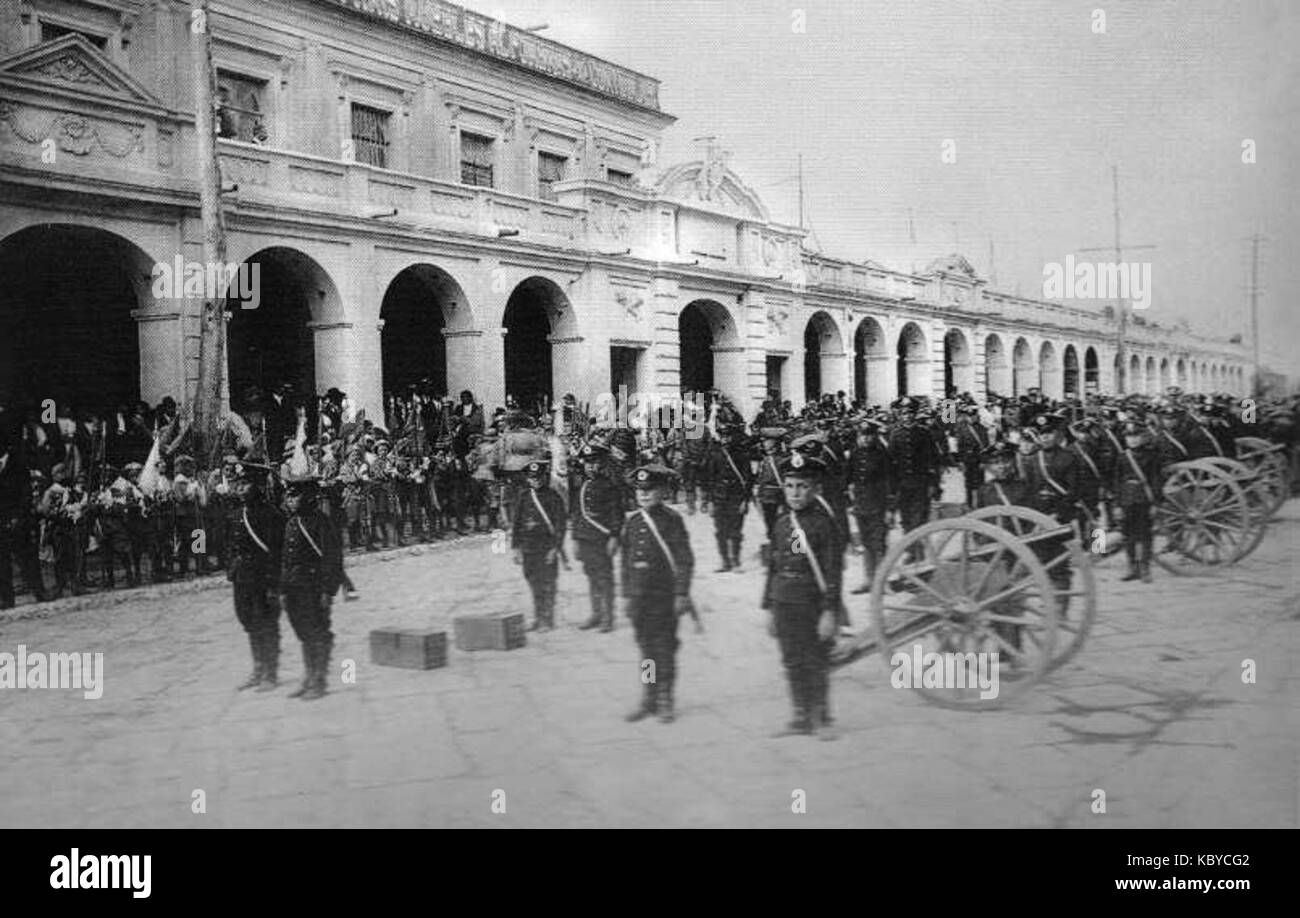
871	474
728	480
644	567
597	510
791	579
768	481
304	566
914	455
248	560
1053	477
529	531
1127	485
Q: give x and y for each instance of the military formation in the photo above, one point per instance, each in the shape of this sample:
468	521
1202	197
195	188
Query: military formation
294	487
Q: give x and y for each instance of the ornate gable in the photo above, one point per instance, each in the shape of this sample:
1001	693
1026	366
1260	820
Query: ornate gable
954	264
711	184
79	66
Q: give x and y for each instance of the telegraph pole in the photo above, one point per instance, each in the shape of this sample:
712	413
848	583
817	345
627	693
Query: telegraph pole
1121	307
212	324
1254	310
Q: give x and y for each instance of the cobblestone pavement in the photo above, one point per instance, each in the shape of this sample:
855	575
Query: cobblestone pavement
1154	712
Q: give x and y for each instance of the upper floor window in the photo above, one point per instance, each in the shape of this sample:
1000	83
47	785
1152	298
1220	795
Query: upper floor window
52	30
476	160
619	177
550	169
239	108
370	135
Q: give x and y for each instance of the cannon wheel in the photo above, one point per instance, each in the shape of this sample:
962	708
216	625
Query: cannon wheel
1205	521
1081	609
1269	461
974	585
1253	481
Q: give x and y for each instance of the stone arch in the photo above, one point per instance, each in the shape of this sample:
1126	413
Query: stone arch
711	353
91	337
424	315
1136	382
870	362
958	364
540	331
1024	367
276	343
997	367
1165	379
823	356
1149	375
1049	369
1070	382
913	356
1091	371
1180	374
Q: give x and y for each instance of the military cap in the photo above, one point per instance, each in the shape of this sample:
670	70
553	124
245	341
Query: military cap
772	433
592	452
870	424
1047	422
651	476
1001	449
305	486
809	441
906	403
133	467
799	465
1135	426
536	467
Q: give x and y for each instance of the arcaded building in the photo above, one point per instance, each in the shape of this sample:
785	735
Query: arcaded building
429	193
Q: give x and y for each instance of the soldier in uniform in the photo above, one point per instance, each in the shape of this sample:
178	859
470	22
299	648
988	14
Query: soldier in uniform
801	594
310	573
916	470
537	538
656	568
767	487
597	519
871	486
1053	477
972	440
729	478
254	541
1003	487
1136	487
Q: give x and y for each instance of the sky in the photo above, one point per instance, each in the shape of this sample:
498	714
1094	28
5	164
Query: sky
1038	106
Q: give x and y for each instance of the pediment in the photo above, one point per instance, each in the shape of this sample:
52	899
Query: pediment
711	184
954	264
72	61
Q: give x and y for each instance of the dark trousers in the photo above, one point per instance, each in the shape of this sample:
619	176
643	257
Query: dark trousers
654	622
770	513
973	475
728	526
309	614
913	509
257	608
115	543
542	576
599	568
805	656
1137	526
871	525
12	544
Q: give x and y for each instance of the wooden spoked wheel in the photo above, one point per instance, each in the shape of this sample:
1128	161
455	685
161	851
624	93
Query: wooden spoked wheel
1269	461
1204	521
951	594
1056	546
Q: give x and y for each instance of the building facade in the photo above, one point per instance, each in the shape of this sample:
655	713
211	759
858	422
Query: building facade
429	193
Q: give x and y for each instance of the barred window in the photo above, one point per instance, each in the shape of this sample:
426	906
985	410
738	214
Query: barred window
51	31
239	108
370	135
476	160
619	177
550	169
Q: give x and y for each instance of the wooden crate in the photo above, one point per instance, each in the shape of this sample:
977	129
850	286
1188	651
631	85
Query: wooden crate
489	631
409	648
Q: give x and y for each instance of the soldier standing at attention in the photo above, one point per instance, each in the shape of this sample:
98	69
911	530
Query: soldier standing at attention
254	539
916	467
1136	487
537	537
802	594
657	565
597	519
768	489
1054	483
730	481
871	485
310	574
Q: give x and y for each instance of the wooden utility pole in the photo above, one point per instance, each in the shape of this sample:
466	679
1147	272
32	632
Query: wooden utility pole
208	403
1121	307
1254	312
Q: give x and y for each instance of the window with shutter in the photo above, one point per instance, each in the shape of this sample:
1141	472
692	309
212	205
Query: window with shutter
619	177
476	160
239	108
550	169
370	135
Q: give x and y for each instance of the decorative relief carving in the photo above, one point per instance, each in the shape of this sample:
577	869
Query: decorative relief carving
631	304
777	316
611	221
75	134
70	69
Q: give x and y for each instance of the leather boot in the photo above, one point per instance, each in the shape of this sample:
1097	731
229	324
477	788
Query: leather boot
270	661
647	706
724	551
1144	565
597	607
801	722
665	703
308	659
735	556
256	643
1131	551
320	666
607	614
